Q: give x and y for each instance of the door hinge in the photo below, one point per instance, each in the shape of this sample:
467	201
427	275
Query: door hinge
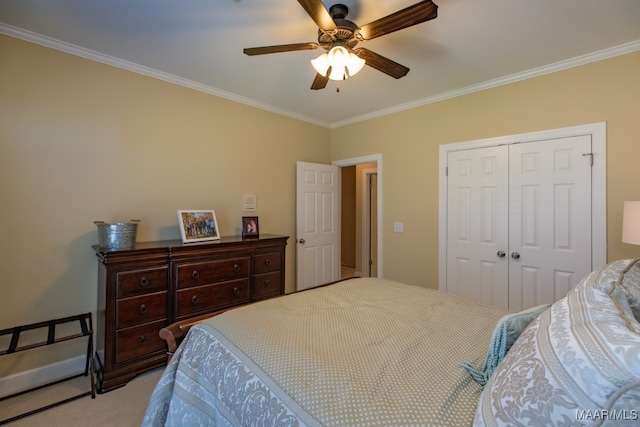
590	157
446	171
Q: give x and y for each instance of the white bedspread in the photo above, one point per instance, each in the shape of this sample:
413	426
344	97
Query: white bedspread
364	352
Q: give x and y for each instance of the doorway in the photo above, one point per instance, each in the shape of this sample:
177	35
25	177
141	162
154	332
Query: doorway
318	221
361	235
359	220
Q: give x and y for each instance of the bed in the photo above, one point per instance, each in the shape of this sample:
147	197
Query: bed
374	352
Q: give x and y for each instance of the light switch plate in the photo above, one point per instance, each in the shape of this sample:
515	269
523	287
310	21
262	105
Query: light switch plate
398	227
250	203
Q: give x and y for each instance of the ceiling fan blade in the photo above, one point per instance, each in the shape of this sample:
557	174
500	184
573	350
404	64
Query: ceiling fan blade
381	63
412	15
318	13
320	82
279	48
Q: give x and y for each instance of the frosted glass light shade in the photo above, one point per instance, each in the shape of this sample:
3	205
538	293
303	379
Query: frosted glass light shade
340	61
355	64
631	223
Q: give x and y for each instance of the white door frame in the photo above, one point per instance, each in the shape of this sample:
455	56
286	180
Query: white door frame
598	132
373	158
366	227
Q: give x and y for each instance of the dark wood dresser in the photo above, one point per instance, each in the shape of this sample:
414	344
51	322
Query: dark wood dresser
143	289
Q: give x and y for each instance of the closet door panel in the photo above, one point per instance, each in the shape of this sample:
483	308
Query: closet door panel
549	219
477	225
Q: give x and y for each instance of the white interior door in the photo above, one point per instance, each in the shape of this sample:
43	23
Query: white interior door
550	219
477	225
317	224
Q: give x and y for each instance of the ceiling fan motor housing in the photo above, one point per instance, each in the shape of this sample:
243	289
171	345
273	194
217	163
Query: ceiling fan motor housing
338	11
337	31
344	33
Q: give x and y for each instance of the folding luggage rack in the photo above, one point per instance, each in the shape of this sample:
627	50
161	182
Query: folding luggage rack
86	330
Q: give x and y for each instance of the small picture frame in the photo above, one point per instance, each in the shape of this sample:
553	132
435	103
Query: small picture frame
250	228
198	225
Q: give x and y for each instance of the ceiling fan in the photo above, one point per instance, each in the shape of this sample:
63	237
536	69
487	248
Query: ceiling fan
339	37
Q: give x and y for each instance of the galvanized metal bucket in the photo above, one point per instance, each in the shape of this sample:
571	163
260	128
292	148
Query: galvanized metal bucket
121	235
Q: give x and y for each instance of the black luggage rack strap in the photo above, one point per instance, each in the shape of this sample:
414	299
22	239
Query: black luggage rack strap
86	330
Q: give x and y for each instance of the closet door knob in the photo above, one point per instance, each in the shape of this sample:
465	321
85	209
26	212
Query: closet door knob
301	241
515	255
501	254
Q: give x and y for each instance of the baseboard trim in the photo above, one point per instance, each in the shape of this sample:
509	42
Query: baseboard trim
26	380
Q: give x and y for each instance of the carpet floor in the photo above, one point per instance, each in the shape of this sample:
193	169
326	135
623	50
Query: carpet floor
122	407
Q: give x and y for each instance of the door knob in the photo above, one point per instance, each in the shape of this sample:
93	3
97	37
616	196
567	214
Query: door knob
515	255
501	254
301	241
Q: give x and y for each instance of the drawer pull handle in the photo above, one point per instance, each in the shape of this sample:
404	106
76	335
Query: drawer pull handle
267	261
267	283
195	274
236	291
236	268
144	281
142	339
194	299
144	309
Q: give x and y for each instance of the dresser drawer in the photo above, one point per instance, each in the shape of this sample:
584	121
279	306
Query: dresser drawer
212	297
268	283
141	309
136	282
266	263
139	341
202	273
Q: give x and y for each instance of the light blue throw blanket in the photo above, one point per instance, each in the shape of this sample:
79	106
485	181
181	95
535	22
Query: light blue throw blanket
504	335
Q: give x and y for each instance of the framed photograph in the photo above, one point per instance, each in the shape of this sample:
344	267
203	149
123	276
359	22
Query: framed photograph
250	227
198	226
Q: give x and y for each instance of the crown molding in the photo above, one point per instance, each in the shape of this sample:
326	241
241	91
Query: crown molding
600	55
170	78
92	55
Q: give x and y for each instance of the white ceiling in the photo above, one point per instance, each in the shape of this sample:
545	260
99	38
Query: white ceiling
471	45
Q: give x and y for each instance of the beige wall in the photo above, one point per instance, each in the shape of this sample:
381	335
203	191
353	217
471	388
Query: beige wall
606	91
82	141
359	213
348	217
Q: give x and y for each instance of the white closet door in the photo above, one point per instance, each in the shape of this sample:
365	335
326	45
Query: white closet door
477	225
550	240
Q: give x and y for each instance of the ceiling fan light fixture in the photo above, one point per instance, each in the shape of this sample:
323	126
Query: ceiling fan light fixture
339	63
339	36
355	64
321	64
